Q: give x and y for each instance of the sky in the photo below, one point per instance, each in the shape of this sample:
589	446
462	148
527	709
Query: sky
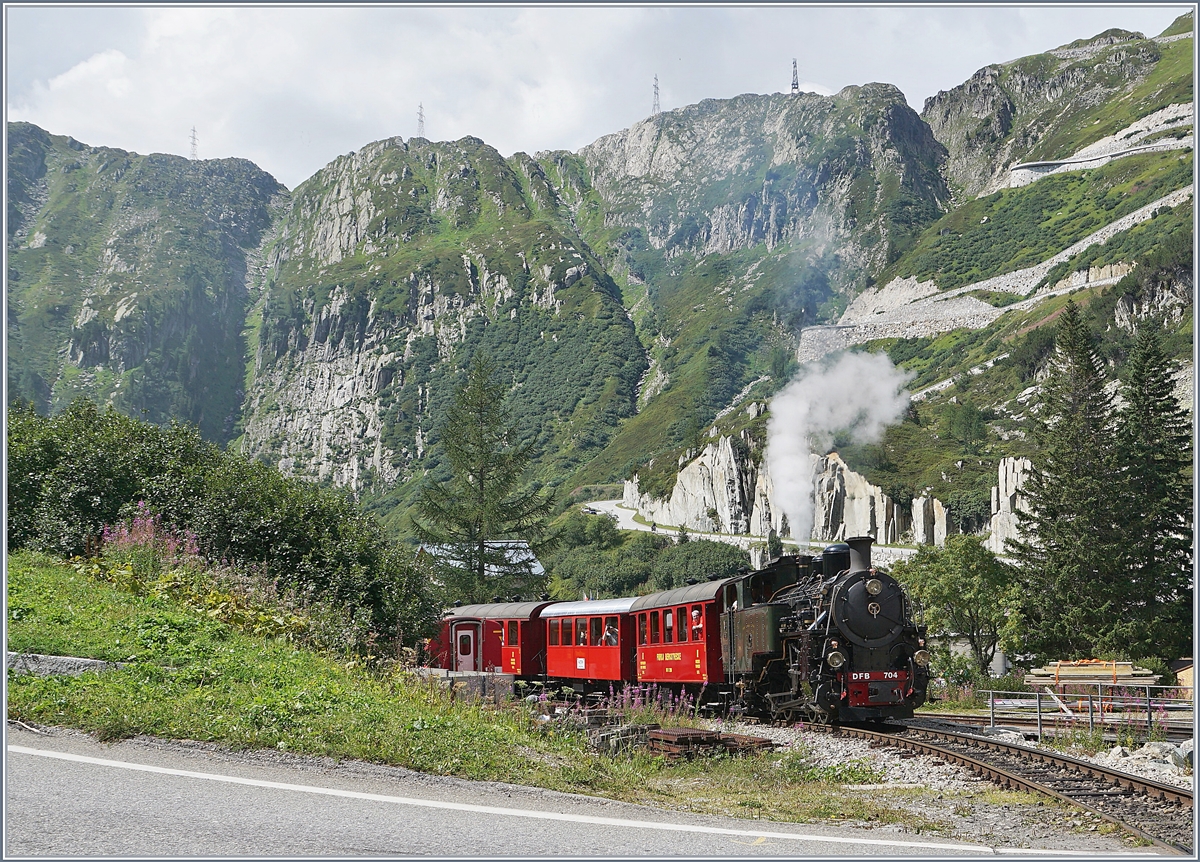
293	87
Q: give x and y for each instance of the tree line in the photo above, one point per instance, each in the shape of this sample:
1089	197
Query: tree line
1105	565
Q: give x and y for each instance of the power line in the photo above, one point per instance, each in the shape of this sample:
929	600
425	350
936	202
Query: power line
195	143
420	120
656	109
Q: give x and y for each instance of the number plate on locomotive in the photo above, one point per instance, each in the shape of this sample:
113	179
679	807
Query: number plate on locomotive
877	674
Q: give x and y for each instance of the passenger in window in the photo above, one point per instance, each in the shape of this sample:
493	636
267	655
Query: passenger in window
697	625
610	635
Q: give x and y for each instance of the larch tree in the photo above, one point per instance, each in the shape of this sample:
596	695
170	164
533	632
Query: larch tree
481	526
1069	566
1155	447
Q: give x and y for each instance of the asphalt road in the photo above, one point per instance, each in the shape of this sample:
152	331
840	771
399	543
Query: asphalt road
68	795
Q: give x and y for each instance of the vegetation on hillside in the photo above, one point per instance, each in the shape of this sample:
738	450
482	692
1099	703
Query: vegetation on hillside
86	471
126	278
1017	228
593	558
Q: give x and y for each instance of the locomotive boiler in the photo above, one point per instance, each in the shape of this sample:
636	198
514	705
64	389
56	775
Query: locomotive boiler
824	638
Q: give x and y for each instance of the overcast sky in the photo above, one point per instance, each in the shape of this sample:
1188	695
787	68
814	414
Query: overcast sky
291	88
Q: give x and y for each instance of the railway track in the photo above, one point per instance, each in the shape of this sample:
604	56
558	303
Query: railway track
1159	813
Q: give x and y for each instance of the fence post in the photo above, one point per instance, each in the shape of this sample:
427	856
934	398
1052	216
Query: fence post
1091	720
1149	717
992	706
1038	695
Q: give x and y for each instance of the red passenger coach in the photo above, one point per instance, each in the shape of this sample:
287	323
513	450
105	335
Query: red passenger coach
678	636
501	638
589	641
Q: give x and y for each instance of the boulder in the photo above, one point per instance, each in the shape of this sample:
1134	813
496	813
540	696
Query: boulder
1185	751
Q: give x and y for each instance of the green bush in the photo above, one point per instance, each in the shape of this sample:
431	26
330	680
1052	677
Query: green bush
88	469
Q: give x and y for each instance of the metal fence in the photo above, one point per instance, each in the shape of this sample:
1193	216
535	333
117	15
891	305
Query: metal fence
1143	710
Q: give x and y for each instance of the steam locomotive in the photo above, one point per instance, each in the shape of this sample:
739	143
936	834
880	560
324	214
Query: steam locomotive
824	638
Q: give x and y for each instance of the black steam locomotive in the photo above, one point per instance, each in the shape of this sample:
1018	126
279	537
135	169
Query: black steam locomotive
824	638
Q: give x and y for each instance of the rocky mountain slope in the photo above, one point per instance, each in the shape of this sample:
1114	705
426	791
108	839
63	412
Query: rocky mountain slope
392	267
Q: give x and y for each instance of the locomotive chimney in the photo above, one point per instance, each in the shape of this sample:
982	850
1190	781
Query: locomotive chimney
860	553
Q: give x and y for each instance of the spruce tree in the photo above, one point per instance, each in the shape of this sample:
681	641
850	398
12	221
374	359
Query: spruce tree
472	522
1069	566
1155	446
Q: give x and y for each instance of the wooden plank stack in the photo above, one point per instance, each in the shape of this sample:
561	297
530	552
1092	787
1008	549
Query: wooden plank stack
1089	671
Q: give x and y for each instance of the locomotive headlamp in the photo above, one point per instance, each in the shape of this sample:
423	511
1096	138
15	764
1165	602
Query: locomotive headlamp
835	659
874	586
921	657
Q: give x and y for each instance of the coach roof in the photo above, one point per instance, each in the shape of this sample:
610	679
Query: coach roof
588	609
704	592
504	610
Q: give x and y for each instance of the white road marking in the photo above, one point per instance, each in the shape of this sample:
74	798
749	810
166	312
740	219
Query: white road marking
535	815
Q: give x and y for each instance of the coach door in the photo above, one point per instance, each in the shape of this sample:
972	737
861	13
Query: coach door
466	646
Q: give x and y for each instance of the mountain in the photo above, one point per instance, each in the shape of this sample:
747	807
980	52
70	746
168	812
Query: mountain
1049	106
390	269
127	277
635	295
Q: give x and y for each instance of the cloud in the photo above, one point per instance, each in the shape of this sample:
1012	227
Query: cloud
293	87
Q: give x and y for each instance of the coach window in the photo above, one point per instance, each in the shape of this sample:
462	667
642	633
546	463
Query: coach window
642	629
597	631
581	633
697	622
553	632
681	624
611	634
513	637
668	626
567	633
654	627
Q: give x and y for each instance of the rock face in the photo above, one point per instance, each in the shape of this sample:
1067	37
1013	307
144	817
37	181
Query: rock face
1009	113
392	266
847	505
722	490
724	175
1006	502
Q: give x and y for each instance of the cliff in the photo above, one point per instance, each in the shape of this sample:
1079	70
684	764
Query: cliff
722	490
393	266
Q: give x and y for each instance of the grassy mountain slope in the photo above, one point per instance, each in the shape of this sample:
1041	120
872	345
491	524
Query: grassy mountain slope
127	277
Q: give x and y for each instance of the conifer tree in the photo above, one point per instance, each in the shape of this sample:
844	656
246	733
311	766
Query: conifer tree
1155	446
472	521
1069	567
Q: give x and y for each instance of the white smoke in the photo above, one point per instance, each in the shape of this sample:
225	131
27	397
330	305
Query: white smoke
861	393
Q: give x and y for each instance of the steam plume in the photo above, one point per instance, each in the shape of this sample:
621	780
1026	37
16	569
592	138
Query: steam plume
860	392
